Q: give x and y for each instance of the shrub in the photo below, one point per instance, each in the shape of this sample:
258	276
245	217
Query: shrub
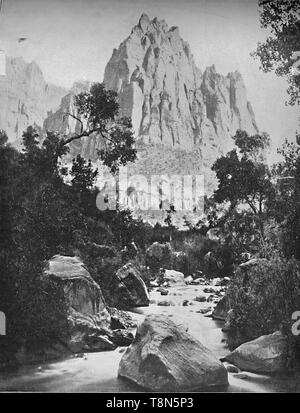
263	298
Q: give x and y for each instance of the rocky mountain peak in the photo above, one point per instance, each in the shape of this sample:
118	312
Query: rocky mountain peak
170	101
25	97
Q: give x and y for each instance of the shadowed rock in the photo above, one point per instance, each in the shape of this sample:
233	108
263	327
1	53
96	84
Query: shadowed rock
128	289
266	354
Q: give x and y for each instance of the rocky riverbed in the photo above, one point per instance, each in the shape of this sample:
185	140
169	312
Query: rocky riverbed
97	372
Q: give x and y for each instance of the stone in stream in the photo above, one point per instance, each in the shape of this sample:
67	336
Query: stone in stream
209	290
204	310
164	357
189	280
174	277
200	298
127	288
266	354
166	303
90	325
120	319
242	376
197	281
221	310
163	291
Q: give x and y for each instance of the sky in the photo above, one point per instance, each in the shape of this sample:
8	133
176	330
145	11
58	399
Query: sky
73	40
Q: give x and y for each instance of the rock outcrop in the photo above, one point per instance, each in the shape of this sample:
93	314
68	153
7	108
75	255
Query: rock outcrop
127	288
25	97
61	121
91	326
173	277
164	357
170	100
266	354
221	310
82	293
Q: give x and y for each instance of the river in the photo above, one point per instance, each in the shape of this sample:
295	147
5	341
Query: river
97	372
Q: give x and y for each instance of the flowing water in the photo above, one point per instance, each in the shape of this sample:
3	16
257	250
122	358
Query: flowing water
97	372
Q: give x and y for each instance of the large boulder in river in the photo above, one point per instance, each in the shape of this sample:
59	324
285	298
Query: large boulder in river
266	354
128	289
221	310
164	357
173	277
82	293
90	326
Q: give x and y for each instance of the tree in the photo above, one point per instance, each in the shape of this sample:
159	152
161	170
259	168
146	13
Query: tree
83	174
40	159
281	50
168	220
284	205
98	113
243	177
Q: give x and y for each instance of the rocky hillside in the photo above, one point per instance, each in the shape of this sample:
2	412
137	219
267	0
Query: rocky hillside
25	97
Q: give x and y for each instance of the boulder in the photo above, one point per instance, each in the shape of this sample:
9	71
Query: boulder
163	291
120	319
174	277
165	303
204	310
128	289
266	354
189	280
200	298
219	282
90	326
164	357
221	310
86	332
209	290
82	293
198	281
95	333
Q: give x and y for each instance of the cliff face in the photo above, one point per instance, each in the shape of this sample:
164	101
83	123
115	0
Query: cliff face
25	97
170	101
60	121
